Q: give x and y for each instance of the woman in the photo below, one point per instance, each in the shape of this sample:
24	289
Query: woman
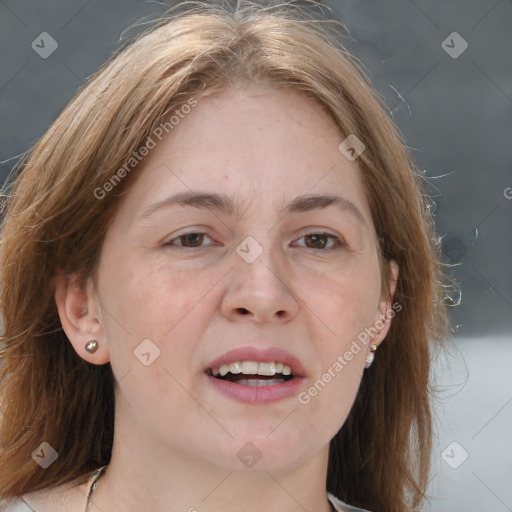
220	283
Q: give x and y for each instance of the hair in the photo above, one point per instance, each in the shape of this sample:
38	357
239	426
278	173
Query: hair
53	219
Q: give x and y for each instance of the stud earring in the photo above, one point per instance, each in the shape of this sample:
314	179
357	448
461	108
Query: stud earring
91	346
370	357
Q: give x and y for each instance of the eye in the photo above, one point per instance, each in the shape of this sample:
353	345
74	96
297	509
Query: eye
316	241
189	240
319	241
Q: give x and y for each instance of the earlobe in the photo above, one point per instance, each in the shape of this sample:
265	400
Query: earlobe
370	357
80	318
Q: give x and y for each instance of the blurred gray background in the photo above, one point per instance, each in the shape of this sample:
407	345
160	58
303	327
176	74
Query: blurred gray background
445	70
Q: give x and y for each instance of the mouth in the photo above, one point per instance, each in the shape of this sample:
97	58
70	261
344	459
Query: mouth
256	376
253	373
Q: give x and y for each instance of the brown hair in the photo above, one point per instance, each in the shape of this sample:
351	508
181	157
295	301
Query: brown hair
379	459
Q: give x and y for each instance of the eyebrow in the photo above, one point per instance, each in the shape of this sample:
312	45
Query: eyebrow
225	204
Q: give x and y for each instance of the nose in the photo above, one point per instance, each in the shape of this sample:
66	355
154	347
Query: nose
260	292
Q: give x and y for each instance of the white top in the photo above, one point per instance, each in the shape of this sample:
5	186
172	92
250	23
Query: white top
37	501
342	507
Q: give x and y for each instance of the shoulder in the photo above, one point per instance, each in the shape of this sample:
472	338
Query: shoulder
343	507
69	497
14	505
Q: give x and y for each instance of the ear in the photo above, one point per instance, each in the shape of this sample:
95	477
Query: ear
386	309
80	316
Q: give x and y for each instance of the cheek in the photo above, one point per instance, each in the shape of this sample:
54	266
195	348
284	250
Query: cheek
344	303
160	302
169	307
151	297
344	306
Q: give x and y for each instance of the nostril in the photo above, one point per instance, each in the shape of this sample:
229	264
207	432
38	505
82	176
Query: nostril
243	311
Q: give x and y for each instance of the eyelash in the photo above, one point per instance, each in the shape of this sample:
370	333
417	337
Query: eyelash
338	242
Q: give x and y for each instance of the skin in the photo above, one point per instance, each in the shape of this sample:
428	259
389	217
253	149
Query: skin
176	437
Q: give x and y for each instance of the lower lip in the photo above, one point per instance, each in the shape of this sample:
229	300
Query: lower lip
257	394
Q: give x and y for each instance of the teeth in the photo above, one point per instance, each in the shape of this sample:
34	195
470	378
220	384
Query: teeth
253	368
267	369
235	368
258	382
249	367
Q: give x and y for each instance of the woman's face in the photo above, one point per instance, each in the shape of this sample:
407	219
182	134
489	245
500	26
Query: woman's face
268	271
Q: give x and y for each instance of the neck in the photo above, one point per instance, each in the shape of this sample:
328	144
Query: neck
123	488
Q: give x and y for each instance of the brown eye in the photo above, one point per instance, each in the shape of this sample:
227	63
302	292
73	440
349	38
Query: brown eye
188	240
317	241
320	241
192	239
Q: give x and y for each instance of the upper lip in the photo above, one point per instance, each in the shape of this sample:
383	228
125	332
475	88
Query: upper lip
261	355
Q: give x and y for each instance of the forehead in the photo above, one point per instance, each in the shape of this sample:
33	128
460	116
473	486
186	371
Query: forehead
261	146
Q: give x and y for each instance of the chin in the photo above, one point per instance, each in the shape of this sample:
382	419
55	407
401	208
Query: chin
265	453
